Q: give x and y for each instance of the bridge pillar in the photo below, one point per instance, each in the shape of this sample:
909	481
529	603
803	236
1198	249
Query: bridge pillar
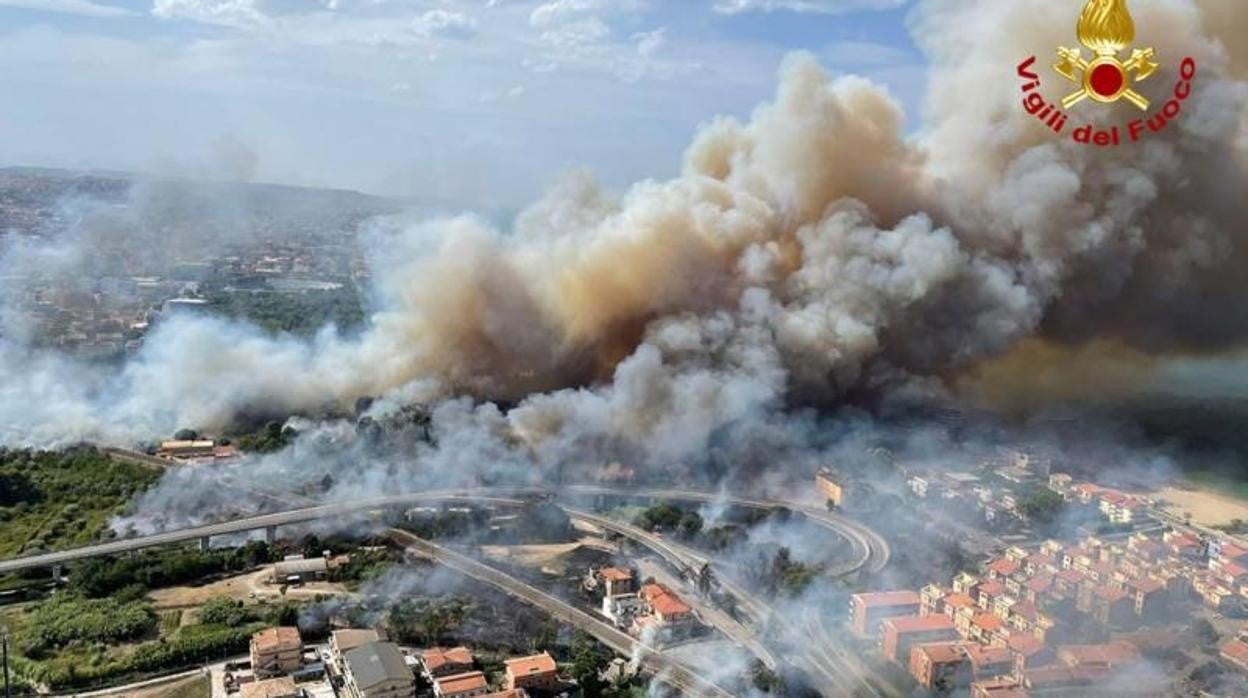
270	534
57	572
205	544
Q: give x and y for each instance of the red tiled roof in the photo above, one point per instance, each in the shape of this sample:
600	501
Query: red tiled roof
1236	651
664	600
462	683
615	574
916	624
888	598
1233	552
1025	644
959	601
527	666
943	652
1233	570
1025	610
277	639
1113	497
1004	566
981	655
988	622
991	589
435	659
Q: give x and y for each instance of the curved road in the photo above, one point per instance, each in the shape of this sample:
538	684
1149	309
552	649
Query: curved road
663	668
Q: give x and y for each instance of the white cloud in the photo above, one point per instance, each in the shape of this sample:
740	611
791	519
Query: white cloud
732	7
649	43
576	34
225	12
445	24
74	7
560	11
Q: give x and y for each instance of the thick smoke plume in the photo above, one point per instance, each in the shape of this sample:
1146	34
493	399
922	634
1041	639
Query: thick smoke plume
811	253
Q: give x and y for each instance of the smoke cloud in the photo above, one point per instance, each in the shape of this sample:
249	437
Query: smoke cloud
811	254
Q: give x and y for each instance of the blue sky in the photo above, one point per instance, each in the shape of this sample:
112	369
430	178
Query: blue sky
481	101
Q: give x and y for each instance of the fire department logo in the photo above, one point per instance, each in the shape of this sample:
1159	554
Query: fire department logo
1107	29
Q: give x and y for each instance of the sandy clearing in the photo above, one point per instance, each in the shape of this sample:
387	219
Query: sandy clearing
1207	507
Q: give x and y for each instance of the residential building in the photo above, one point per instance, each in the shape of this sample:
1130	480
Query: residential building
440	662
538	672
377	670
276	651
942	666
343	641
617	581
899	635
665	606
466	685
990	662
867	611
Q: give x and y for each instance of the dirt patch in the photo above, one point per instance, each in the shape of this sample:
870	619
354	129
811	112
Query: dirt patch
248	587
552	557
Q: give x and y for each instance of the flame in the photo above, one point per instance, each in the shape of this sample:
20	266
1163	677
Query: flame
1106	26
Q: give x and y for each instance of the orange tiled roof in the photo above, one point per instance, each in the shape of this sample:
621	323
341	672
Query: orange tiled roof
462	683
959	601
664	600
1236	650
527	666
943	652
988	622
277	639
1025	644
615	574
1004	566
981	655
437	658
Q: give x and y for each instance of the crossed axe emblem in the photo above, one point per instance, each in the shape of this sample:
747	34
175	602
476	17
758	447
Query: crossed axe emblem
1105	78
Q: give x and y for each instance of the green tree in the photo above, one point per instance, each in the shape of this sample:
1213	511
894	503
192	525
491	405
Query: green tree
1041	505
